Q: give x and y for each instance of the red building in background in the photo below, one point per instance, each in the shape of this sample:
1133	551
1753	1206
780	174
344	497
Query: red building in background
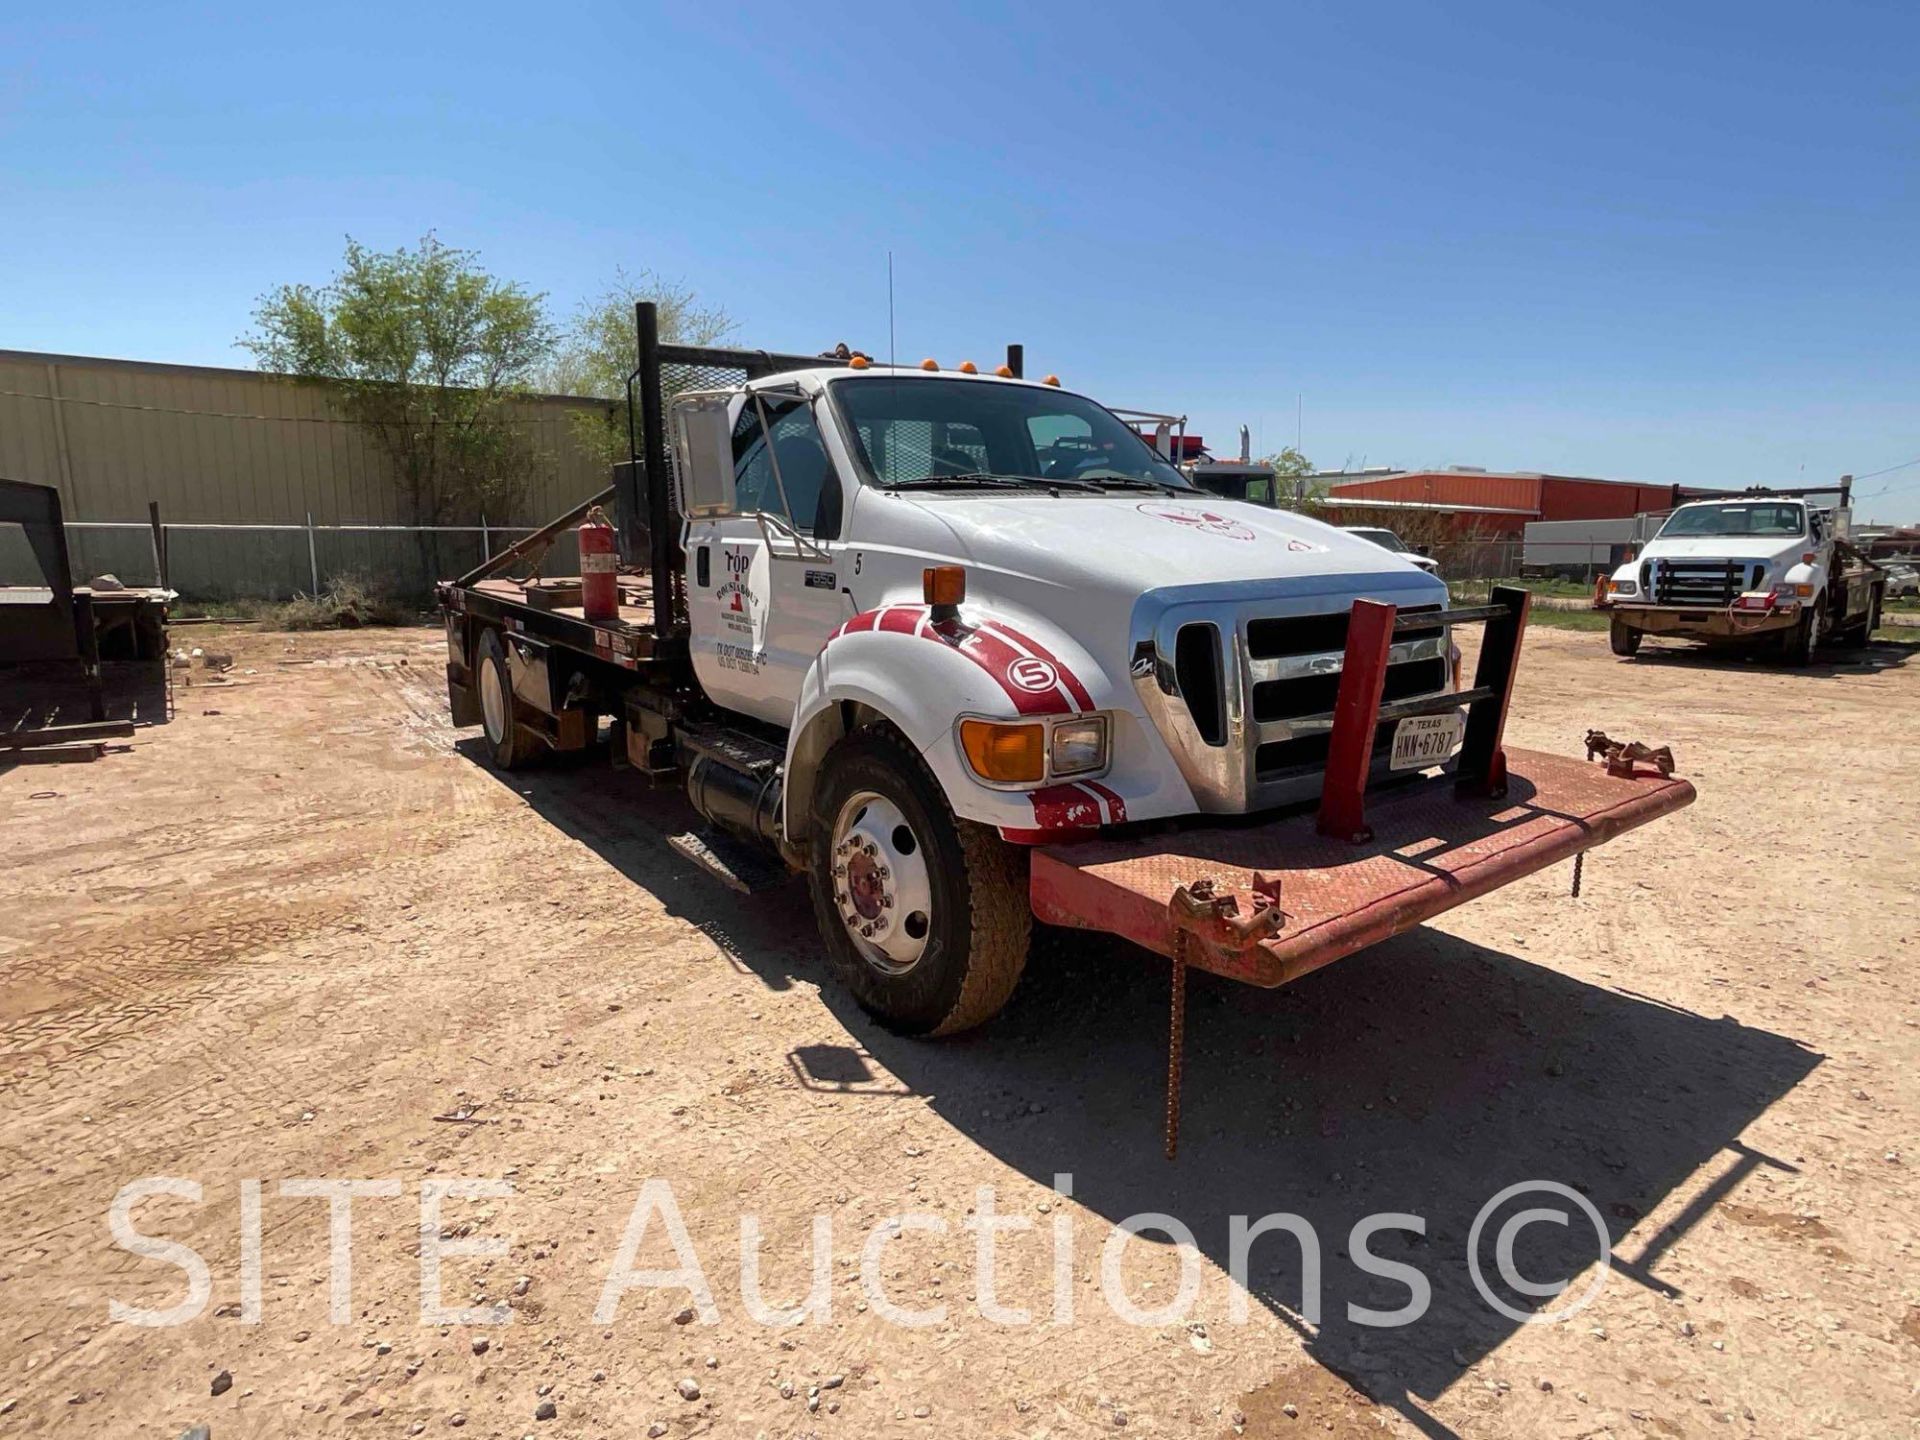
1483	505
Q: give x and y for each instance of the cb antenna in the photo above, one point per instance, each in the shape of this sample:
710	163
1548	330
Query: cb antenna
893	349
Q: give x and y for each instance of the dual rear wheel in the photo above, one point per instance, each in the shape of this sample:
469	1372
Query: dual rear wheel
508	746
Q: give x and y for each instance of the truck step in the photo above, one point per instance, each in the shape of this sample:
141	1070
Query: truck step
732	861
737	749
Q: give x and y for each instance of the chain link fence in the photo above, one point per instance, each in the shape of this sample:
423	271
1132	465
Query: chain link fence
220	563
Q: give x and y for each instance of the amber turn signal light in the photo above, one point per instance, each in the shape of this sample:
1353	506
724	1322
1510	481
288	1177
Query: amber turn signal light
1006	754
943	584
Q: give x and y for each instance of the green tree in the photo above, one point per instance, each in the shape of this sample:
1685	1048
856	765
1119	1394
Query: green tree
427	351
596	353
1293	489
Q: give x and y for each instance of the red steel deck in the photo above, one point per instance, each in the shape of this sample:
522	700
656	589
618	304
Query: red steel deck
1431	850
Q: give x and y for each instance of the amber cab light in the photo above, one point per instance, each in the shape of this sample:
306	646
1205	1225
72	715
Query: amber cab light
929	364
1005	372
1006	754
967	367
858	362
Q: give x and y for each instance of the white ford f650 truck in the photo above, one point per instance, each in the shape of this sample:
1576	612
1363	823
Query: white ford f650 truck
1768	569
964	650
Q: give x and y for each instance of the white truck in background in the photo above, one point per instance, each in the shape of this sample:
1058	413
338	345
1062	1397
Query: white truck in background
1764	570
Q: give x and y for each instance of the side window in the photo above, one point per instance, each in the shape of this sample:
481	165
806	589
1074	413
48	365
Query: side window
812	491
754	492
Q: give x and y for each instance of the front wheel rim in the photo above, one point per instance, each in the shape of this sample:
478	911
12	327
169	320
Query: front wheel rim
882	889
493	703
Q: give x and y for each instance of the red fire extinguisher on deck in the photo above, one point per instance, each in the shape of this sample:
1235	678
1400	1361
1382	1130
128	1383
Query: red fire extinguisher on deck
599	566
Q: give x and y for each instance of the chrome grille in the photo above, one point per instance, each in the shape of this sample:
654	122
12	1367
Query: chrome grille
1246	715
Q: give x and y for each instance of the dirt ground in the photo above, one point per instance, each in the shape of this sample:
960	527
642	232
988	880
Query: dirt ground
301	931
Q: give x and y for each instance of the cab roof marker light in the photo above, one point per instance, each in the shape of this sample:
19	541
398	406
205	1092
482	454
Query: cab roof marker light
929	364
967	367
1053	380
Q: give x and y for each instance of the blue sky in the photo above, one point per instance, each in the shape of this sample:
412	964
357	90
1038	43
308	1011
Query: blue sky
1667	243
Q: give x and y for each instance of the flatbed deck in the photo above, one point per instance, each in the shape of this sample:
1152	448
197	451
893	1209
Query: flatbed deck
521	606
1432	849
636	599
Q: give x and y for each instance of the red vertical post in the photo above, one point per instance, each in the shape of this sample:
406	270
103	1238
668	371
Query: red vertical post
1356	714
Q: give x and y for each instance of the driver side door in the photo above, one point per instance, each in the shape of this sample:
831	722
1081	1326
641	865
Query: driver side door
763	591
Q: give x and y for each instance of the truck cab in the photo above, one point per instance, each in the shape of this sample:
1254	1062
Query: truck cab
1173	646
1763	570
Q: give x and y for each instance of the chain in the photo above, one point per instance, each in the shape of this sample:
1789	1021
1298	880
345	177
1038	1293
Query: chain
1176	1038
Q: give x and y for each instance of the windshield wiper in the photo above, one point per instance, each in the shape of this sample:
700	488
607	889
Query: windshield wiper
970	478
1134	482
986	479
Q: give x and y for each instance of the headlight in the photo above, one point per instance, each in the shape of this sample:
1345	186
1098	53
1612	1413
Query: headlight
1626	587
1079	745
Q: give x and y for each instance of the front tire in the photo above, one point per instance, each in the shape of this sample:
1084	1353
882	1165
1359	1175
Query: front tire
925	917
1804	638
1623	639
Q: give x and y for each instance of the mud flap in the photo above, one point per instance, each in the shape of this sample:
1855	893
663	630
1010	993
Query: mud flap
462	701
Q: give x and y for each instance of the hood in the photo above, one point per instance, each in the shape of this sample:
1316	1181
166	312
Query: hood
1726	547
1136	542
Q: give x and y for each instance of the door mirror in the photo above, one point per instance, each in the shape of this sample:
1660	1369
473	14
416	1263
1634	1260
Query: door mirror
703	454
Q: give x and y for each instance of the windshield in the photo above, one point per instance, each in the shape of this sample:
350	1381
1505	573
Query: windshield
917	430
1770	518
1385	539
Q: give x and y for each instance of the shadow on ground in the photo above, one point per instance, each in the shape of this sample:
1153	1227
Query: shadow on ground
1422	1077
1869	659
40	696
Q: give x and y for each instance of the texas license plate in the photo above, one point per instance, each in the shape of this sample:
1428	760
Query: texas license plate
1423	740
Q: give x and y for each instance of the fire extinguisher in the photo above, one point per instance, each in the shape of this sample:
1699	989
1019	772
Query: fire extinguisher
599	566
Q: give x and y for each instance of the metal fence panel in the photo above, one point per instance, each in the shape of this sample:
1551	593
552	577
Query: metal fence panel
230	446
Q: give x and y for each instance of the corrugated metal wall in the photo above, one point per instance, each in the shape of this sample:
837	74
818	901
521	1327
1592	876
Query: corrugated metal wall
1435	487
236	446
1567	498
